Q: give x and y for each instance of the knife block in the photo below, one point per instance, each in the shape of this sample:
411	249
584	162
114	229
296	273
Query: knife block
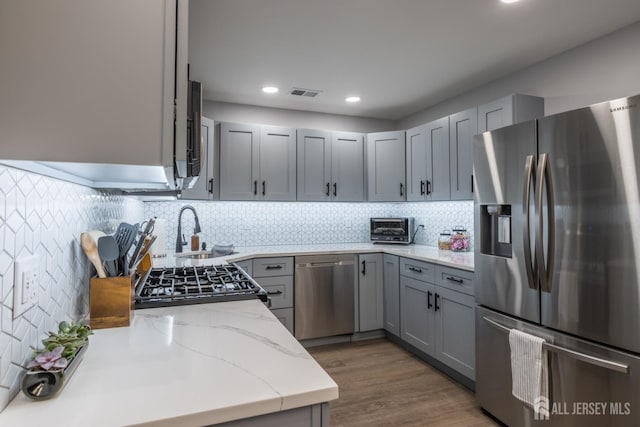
111	301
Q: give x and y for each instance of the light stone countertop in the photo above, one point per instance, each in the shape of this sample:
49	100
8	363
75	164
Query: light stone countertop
461	260
187	365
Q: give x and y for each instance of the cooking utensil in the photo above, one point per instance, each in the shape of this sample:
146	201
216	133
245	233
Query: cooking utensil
90	247
145	250
109	252
125	236
145	233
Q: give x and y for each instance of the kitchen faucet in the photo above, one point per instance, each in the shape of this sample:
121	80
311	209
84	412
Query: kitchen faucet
179	241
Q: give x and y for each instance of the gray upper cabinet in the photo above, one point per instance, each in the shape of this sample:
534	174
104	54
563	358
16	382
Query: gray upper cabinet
391	286
257	163
462	127
239	151
386	166
330	166
277	160
207	187
370	292
100	84
347	167
314	165
428	161
509	110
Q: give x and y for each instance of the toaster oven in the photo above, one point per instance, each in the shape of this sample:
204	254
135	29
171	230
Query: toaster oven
392	230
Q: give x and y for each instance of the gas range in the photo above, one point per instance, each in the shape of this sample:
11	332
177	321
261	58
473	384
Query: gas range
196	285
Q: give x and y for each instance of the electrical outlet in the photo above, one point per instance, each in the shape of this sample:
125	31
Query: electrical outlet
25	284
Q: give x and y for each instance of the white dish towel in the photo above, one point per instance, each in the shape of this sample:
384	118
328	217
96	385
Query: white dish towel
529	371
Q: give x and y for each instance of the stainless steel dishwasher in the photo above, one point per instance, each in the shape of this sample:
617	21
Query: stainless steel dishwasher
324	295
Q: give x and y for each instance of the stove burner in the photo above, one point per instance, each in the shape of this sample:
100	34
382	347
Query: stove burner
201	284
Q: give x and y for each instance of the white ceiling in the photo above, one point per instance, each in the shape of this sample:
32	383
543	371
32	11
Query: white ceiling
399	56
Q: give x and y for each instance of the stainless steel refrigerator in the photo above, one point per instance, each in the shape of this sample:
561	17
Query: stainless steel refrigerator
557	255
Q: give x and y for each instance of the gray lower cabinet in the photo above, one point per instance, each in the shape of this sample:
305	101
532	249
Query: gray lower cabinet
257	162
417	325
275	275
391	287
428	161
462	127
330	166
386	180
509	110
438	318
246	265
307	416
207	187
370	292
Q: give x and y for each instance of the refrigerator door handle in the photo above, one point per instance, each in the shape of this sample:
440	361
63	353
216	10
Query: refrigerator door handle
587	358
545	270
526	208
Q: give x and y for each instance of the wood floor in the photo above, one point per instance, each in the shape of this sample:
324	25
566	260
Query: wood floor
381	384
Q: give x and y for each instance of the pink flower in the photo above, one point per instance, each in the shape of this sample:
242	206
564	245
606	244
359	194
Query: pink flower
49	359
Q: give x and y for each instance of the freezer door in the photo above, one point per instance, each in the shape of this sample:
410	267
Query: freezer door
588	379
504	161
593	160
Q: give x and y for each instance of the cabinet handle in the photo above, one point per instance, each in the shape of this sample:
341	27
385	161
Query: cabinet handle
264	187
335	189
437	307
211	186
255	187
429	305
421	188
472	183
328	189
417	270
274	292
428	187
453	279
401	189
273	267
364	268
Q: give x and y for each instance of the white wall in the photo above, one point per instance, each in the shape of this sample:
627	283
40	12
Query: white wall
239	113
603	69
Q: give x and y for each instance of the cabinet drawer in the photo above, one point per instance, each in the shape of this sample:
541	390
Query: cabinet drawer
454	279
246	265
266	267
279	289
285	316
417	270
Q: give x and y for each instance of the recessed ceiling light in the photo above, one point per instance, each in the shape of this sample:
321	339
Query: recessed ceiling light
509	1
352	99
270	89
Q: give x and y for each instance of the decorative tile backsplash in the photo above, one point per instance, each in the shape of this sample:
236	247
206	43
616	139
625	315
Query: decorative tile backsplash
45	216
277	223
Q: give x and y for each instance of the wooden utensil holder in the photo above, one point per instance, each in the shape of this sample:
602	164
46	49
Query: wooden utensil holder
111	301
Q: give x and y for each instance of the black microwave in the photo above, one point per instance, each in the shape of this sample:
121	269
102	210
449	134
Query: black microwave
392	230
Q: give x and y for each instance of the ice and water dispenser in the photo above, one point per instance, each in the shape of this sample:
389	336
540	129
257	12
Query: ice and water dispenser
495	230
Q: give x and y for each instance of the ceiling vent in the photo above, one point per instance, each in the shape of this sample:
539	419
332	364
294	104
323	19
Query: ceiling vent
309	93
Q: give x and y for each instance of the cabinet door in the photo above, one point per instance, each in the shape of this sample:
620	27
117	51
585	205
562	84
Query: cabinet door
417	163
371	294
437	133
279	289
496	114
314	165
347	167
462	127
386	166
100	84
207	186
417	319
239	153
285	316
277	164
391	286
455	326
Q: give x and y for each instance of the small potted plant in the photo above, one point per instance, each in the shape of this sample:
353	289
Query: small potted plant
52	365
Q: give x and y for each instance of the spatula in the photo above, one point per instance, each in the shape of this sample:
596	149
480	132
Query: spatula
90	247
109	252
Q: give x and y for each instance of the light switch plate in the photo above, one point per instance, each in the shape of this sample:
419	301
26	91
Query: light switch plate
25	284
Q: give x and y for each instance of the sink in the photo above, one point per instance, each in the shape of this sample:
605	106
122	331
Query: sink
201	255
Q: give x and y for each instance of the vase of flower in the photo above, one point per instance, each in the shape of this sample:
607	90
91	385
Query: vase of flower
53	365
